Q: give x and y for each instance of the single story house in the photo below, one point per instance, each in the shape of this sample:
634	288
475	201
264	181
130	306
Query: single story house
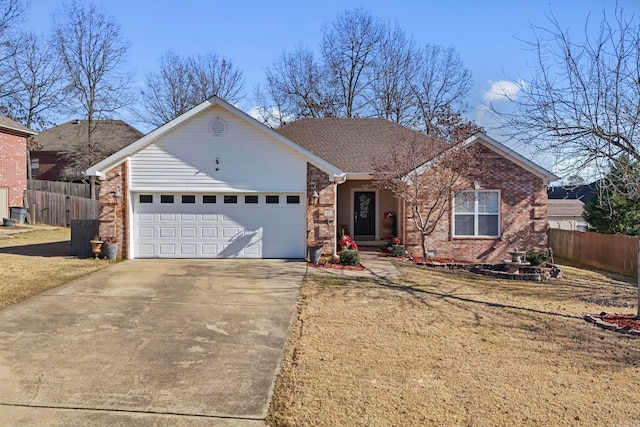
13	164
50	157
215	182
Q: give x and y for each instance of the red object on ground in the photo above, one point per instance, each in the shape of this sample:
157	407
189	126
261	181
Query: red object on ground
622	320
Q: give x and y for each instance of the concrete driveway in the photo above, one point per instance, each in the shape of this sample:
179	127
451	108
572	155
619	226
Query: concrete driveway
150	342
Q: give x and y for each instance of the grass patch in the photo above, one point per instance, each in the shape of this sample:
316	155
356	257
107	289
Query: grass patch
33	262
452	348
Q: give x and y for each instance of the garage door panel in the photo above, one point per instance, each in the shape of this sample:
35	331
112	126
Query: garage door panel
209	249
188	249
231	232
167	217
167	232
146	250
146	217
188	232
167	249
210	230
252	249
145	232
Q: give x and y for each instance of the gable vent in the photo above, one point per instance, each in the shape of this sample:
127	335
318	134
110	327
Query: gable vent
217	127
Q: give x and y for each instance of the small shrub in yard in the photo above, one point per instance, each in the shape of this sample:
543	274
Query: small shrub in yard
349	257
536	257
396	250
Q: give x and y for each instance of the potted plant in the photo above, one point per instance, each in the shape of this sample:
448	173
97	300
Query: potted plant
315	251
96	246
396	248
110	247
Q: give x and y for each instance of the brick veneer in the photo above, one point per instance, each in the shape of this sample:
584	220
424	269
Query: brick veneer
13	166
523	215
320	228
114	215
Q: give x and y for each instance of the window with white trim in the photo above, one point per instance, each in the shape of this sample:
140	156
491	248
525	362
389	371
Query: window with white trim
476	213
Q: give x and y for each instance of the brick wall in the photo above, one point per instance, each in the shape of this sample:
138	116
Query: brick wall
52	165
320	228
114	215
13	166
523	216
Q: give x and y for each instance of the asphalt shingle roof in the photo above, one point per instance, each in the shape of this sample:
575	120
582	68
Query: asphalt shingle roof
348	143
111	134
564	207
14	127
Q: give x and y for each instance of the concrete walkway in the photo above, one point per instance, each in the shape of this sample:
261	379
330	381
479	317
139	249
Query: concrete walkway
150	342
377	267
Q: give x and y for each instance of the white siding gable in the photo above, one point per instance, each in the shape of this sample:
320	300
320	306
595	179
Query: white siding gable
244	158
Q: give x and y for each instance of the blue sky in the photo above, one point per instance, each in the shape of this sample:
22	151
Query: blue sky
488	34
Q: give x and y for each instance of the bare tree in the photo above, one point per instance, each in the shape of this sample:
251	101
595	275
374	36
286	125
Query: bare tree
350	48
213	75
183	82
582	103
425	173
37	75
442	84
298	86
394	72
271	106
11	12
166	94
93	51
367	69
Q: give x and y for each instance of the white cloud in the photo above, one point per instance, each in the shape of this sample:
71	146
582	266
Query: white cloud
503	89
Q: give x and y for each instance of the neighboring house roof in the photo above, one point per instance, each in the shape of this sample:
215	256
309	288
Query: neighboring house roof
349	143
584	192
112	135
564	208
11	126
119	157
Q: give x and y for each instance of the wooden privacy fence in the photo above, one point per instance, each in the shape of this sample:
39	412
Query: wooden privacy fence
610	252
82	231
68	188
59	209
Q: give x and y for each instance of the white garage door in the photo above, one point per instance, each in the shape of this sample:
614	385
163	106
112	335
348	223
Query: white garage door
218	226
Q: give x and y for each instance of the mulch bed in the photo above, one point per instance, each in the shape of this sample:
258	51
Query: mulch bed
337	266
438	260
619	322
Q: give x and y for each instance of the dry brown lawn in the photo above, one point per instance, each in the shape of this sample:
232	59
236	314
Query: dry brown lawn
445	348
31	263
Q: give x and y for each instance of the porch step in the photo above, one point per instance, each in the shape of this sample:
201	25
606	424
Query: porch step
363	244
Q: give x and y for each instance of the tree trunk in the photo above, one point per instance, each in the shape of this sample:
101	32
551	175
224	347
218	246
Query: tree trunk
423	245
638	280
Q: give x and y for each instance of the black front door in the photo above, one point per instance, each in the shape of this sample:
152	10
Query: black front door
364	219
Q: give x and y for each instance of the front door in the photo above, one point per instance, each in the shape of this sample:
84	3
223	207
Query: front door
364	219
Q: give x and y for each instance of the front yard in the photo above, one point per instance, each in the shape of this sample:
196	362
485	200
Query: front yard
32	262
453	349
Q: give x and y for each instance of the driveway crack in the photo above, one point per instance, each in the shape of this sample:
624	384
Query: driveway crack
46	370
